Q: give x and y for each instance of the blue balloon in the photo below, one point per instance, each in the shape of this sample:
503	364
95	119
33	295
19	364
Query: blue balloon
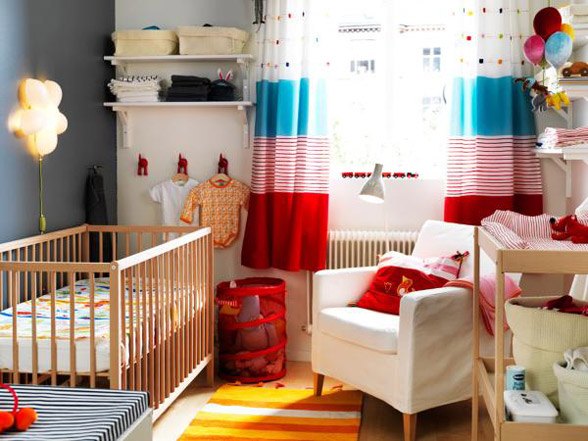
558	48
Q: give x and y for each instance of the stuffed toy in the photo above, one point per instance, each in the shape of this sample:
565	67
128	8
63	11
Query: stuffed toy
568	227
254	338
19	419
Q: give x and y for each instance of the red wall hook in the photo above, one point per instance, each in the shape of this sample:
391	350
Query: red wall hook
182	165
143	166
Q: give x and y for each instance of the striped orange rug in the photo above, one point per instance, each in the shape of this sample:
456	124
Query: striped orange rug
240	413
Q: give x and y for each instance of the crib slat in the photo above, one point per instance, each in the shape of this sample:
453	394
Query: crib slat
114	250
52	284
174	309
123	329
151	279
167	312
34	345
72	328
12	289
131	331
144	345
137	311
100	247
93	332
158	333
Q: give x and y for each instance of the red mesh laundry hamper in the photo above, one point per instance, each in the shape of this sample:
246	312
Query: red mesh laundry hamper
252	329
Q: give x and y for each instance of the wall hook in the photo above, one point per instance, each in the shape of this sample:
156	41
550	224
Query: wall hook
143	166
182	165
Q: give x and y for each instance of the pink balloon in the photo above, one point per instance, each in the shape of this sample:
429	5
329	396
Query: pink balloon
534	49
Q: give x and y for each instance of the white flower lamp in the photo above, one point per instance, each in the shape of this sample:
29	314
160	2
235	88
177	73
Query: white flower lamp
373	189
39	121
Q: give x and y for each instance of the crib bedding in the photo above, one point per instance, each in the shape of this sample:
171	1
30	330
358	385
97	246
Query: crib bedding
63	320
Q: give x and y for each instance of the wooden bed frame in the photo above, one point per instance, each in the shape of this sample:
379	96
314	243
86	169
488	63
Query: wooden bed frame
162	345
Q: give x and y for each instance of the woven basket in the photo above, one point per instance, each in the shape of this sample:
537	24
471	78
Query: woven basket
211	40
540	338
573	394
145	43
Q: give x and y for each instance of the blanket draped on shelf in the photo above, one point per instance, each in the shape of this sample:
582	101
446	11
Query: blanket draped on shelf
287	222
491	163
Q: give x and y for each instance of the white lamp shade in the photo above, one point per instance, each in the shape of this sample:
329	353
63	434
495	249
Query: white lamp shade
45	141
32	121
33	94
373	189
54	91
61	123
39	118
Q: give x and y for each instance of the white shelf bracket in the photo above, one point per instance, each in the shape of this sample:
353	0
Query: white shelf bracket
124	117
245	121
566	166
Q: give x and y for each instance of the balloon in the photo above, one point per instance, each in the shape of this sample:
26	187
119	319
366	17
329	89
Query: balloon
534	48
568	29
546	22
558	49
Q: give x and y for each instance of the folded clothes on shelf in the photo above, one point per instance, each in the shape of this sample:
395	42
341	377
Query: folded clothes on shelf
556	137
136	88
188	88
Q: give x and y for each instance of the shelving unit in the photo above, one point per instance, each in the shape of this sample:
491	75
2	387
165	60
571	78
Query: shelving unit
124	110
562	157
488	373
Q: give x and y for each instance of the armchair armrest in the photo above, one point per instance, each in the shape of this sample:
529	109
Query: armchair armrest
335	288
435	347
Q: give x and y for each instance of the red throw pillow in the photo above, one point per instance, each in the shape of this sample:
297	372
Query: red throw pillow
399	275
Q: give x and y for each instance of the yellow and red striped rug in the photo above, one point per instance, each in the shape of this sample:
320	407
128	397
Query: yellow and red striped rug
240	413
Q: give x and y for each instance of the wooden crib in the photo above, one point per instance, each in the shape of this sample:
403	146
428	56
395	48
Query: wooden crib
138	316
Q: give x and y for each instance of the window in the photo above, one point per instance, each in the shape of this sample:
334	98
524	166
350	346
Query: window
387	85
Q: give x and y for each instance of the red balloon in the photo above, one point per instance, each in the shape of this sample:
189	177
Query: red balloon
546	22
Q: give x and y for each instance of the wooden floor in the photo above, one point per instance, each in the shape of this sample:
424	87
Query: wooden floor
380	422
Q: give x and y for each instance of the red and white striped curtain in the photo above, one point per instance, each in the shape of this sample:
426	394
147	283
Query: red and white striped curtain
288	211
491	163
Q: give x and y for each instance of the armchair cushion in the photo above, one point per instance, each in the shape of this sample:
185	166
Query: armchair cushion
370	329
399	275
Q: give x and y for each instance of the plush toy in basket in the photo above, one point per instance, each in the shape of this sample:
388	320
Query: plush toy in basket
19	419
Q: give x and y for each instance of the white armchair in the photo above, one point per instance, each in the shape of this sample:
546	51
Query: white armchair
416	361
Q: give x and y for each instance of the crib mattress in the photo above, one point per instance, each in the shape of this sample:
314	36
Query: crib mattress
63	320
77	414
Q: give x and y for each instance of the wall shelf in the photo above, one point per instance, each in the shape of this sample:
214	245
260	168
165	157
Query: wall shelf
124	112
237	58
116	106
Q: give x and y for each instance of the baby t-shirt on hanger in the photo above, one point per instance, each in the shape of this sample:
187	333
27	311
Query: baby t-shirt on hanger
220	208
171	196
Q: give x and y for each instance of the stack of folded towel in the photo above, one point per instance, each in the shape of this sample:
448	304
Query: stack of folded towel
557	138
188	88
136	89
575	14
577	359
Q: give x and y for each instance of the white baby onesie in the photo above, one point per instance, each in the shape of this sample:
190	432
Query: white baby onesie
171	196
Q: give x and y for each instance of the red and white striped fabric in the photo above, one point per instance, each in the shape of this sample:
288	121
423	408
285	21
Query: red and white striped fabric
493	166
291	164
553	137
517	231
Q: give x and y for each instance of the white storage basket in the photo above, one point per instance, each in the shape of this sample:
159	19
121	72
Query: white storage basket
540	337
145	43
210	40
573	394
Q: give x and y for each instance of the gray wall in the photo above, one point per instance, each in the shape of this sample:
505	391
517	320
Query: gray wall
63	40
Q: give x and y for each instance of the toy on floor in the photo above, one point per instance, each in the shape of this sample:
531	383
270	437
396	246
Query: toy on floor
19	419
568	227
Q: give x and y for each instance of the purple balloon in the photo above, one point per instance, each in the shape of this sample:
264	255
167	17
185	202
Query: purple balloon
534	49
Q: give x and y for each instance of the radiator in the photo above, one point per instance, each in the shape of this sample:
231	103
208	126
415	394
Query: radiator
353	248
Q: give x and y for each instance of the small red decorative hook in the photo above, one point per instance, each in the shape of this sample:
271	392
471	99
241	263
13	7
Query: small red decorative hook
182	165
223	165
143	166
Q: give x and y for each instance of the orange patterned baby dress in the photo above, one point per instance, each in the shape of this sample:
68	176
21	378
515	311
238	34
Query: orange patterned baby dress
220	208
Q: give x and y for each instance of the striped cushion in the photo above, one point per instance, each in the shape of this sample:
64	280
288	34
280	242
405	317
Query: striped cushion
76	414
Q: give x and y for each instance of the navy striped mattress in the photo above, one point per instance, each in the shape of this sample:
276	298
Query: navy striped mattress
76	413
